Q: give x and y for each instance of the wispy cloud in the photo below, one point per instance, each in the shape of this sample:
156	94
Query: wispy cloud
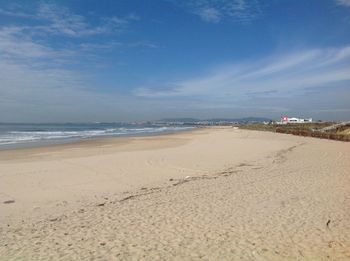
54	19
62	21
33	40
39	76
52	94
271	76
209	14
343	2
16	13
45	51
16	44
217	10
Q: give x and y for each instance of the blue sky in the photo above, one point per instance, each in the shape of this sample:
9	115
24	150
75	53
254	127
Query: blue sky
128	60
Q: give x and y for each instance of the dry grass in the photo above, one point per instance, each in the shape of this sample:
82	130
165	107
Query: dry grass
306	129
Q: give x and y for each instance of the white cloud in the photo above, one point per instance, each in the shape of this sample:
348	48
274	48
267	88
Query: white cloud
54	19
15	44
38	82
37	94
270	76
36	85
209	14
216	10
16	13
343	2
31	42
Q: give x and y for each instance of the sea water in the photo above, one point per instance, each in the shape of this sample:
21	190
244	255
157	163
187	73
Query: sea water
24	134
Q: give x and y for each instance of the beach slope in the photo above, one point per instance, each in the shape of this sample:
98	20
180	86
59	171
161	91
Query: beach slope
212	194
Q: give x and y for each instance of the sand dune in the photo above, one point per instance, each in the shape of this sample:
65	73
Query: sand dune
213	194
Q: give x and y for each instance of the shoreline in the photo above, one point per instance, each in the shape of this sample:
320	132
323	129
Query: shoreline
207	186
68	141
37	158
114	142
89	169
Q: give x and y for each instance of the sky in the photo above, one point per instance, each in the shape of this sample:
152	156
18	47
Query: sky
132	60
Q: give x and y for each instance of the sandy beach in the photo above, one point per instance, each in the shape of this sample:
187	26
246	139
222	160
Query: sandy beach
210	194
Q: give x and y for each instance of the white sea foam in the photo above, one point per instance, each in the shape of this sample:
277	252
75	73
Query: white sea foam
32	136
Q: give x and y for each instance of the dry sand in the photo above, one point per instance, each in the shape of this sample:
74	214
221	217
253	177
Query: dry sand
211	194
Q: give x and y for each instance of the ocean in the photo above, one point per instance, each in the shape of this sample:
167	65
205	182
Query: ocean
27	135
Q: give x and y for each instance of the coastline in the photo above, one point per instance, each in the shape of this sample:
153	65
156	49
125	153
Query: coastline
68	141
88	142
202	187
38	161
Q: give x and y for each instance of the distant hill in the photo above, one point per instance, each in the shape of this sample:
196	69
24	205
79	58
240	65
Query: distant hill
246	119
239	120
180	120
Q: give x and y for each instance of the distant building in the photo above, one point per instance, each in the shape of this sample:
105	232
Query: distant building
286	119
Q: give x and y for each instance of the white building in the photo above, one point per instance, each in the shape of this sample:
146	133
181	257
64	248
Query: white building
286	119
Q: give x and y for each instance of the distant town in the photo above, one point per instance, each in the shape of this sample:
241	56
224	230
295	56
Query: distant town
224	121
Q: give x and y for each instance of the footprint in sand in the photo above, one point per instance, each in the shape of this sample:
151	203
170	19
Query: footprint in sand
9	201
